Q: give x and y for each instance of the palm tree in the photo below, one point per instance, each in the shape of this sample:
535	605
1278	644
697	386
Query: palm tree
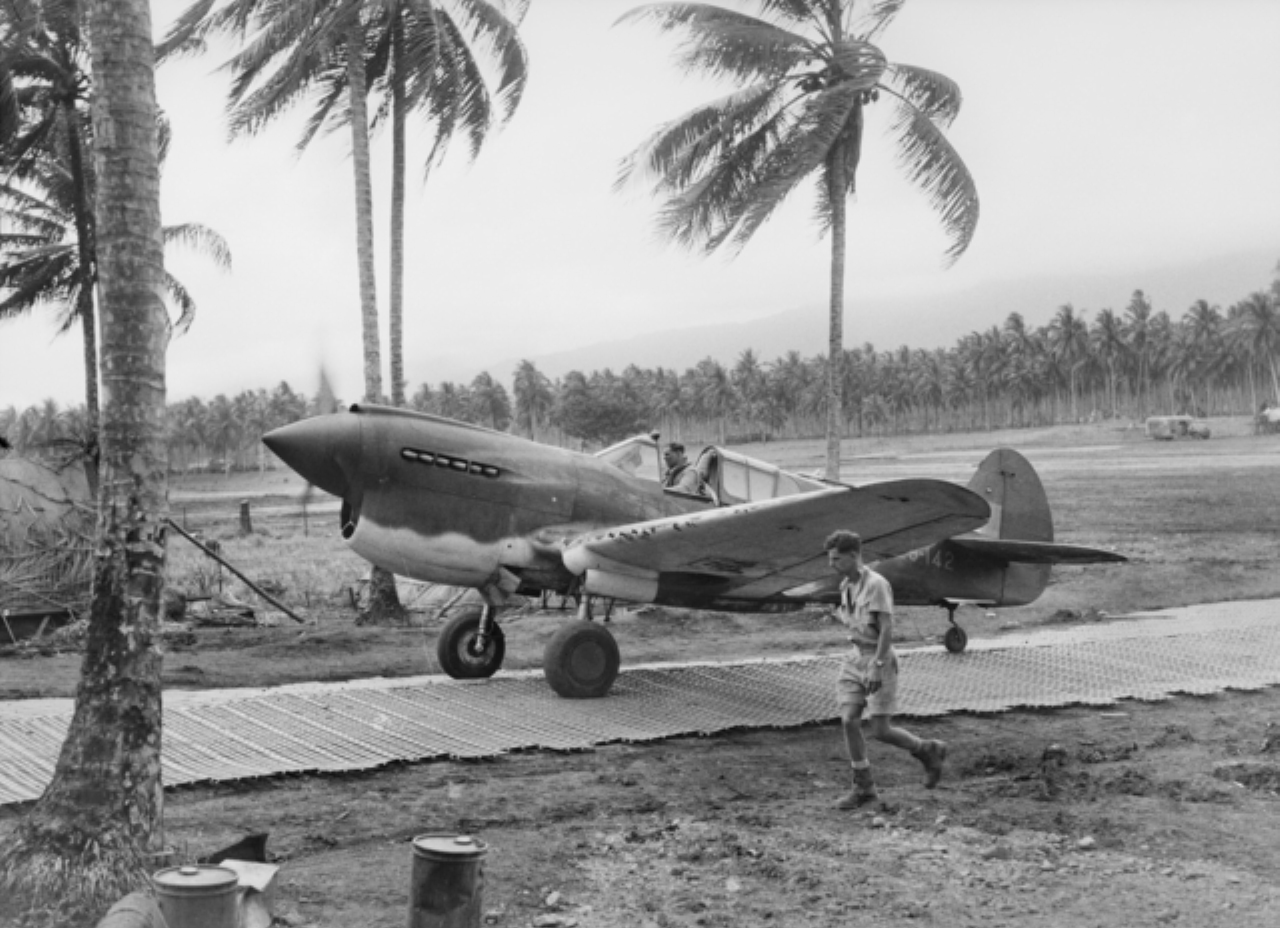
1256	333
42	258
424	58
1137	331
1108	344
723	168
1069	346
326	46
44	95
489	402
85	842
46	199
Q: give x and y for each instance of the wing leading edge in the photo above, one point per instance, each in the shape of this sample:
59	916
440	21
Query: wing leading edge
759	550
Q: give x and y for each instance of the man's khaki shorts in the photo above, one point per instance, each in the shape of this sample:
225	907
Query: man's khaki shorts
851	685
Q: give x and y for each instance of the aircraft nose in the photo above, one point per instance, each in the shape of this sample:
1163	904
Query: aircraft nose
322	449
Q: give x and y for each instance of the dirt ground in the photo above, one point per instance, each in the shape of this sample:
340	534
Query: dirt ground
1137	814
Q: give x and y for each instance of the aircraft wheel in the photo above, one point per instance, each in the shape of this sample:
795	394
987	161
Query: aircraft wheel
956	639
581	661
456	647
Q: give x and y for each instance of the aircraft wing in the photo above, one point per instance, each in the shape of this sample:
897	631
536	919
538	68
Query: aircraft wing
760	549
1037	552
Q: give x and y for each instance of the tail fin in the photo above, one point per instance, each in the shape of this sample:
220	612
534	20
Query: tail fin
1020	532
1019	506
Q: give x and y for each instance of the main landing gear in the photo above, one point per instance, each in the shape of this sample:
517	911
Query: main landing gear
471	645
580	661
956	639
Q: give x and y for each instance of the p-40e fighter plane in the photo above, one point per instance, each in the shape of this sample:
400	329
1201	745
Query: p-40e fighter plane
448	502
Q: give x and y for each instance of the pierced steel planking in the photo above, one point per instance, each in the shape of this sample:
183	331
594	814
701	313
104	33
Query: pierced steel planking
224	735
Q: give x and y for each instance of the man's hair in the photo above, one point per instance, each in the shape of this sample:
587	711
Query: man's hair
845	542
675	446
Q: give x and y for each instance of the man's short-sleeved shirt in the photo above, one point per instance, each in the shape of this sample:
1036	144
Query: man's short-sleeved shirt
859	601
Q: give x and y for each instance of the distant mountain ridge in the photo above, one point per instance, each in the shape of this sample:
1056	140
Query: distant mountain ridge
920	322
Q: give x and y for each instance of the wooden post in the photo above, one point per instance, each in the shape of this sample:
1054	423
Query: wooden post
246	524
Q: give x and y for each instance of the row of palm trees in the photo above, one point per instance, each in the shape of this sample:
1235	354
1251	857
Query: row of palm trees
1117	365
1132	364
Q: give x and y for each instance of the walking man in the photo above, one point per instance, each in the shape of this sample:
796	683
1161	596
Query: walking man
868	679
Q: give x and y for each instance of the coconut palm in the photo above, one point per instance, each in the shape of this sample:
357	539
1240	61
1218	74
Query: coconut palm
85	841
44	94
1255	333
809	73
42	257
426	57
324	49
1069	347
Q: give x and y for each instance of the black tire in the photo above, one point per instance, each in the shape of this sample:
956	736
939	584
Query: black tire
956	639
456	644
581	661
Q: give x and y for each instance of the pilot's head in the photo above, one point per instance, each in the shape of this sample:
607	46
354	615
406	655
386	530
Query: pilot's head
673	455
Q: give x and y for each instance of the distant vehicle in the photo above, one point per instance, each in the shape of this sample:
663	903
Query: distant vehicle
449	502
1169	428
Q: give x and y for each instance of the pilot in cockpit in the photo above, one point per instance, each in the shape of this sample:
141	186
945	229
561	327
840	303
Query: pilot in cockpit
680	475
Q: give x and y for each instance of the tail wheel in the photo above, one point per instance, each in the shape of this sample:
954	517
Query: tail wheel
581	661
456	647
956	639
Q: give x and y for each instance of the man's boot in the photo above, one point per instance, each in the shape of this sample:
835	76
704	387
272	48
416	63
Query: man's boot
863	792
931	754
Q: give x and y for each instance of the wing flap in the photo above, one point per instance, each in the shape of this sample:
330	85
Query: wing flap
1037	552
757	550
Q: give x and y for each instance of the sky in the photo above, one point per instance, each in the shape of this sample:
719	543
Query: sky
1103	135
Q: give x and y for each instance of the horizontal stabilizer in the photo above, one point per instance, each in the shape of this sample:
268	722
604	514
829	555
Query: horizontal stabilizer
1036	552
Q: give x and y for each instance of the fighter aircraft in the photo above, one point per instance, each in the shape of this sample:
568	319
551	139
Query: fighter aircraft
449	502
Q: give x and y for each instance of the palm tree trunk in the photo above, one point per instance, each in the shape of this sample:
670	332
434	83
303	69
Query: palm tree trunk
84	843
357	81
383	602
83	211
838	184
396	308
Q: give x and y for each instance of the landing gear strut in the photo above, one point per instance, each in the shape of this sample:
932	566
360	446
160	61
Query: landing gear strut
956	639
471	644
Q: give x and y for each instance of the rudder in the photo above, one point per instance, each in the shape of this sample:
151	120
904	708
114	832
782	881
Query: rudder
1019	511
1019	505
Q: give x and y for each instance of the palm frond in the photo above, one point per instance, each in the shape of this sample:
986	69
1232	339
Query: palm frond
493	32
707	209
935	95
824	120
726	43
678	149
202	240
933	164
188	33
878	18
181	299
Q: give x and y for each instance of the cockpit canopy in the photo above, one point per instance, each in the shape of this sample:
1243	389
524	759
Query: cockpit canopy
729	476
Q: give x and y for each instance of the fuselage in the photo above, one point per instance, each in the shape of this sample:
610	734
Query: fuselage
449	502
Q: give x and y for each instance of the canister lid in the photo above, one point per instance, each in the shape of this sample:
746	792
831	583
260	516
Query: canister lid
460	847
195	876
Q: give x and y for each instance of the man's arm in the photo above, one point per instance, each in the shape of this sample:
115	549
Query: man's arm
885	643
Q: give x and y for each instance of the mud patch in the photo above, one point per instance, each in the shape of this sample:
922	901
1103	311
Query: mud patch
1254	775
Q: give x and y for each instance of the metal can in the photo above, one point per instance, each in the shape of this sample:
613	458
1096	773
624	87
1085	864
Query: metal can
447	881
198	896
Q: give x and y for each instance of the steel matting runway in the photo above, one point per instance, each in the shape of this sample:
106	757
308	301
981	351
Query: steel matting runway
232	734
